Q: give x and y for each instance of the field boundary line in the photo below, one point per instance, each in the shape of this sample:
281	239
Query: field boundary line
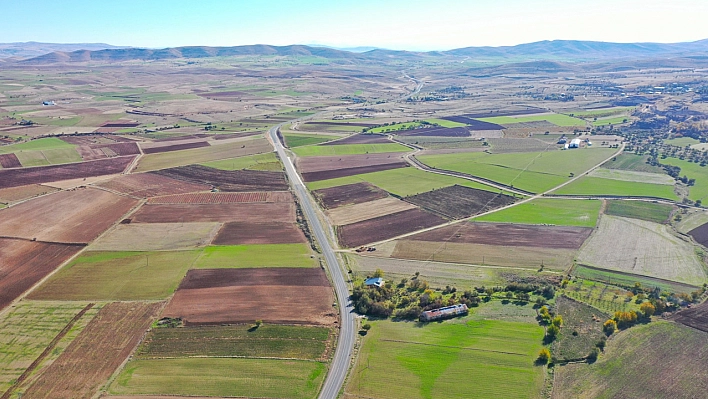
50	347
453	347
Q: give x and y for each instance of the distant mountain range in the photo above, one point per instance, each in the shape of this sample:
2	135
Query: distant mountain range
556	50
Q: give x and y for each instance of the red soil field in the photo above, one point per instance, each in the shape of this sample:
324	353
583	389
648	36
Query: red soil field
240	233
9	161
254	212
274	295
700	234
361	139
319	164
96	353
23	263
350	194
561	237
696	317
91	152
385	227
439	132
46	174
76	216
150	185
458	202
333	174
224	198
230	181
175	147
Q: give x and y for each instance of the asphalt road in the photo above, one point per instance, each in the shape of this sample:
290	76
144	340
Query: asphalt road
347	333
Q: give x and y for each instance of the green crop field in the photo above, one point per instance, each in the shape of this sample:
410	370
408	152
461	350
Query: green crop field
603	112
232	377
556	119
348	149
36	145
31	158
29	327
694	171
402	182
559	212
626	280
445	123
268	161
62	155
261	255
612	121
682	141
598	186
266	341
395	127
632	162
118	276
298	140
449	360
657	213
531	171
655	360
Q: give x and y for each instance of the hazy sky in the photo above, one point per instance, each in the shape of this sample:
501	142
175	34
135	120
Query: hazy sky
396	24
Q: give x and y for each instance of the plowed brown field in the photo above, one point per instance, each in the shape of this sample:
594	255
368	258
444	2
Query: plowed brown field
175	147
224	198
239	233
321	164
349	194
151	185
229	180
46	174
254	212
696	317
385	227
509	235
333	174
76	216
23	263
96	353
368	210
9	161
14	194
458	202
281	295
361	139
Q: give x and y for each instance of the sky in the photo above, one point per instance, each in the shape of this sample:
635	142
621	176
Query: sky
395	24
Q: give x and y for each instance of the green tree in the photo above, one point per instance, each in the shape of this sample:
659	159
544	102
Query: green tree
609	327
544	356
558	321
648	309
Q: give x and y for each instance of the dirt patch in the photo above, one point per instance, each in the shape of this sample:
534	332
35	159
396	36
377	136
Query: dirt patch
280	295
157	237
696	317
24	263
700	234
458	202
385	227
512	235
175	147
10	161
239	233
96	353
254	212
224	198
361	139
46	174
229	180
150	185
368	210
322	164
333	174
357	193
76	216
14	194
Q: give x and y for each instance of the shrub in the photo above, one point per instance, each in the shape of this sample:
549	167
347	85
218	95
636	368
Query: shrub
544	356
609	327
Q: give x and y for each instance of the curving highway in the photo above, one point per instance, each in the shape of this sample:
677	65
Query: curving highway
347	333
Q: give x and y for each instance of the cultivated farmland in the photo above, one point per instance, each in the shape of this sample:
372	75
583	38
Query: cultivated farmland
641	247
224	198
368	210
157	237
458	202
349	194
696	317
46	174
590	186
233	181
150	185
251	212
561	212
385	227
348	149
657	213
240	233
261	255
633	176
14	194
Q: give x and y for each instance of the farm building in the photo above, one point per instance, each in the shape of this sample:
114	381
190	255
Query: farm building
575	143
377	282
444	313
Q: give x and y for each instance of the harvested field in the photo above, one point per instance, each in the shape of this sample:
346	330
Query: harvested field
511	235
118	276
46	174
175	147
499	145
700	234
224	198
78	183
218	296
14	194
268	162
157	237
696	317
9	161
385	227
656	360
118	149
349	194
439	132
482	254
253	212
24	263
644	248
322	164
239	233
96	353
151	185
76	216
333	174
368	210
361	139
174	159
633	176
458	202
229	180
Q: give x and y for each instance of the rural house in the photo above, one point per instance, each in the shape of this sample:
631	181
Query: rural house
444	313
377	282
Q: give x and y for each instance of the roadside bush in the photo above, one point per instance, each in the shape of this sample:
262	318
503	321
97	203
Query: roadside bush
544	356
